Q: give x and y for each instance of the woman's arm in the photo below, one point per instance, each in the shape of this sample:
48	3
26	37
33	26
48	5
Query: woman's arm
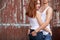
48	18
46	29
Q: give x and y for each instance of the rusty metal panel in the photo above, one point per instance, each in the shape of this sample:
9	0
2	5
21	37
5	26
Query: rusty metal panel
11	19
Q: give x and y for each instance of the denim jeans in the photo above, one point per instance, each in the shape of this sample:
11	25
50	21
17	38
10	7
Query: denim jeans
47	37
39	36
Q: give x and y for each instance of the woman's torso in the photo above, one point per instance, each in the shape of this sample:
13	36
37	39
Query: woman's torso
34	23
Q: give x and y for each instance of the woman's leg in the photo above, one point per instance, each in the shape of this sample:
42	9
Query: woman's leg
47	37
30	35
39	36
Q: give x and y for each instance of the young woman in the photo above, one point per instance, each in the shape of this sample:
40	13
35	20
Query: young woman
31	14
45	17
34	17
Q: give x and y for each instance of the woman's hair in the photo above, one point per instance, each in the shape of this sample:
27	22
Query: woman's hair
31	10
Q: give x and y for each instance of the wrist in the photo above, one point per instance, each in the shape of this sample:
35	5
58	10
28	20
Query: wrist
36	31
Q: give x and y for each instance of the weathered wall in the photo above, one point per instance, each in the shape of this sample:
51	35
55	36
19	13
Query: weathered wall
12	12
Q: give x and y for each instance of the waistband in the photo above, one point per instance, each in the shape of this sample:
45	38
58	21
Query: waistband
31	30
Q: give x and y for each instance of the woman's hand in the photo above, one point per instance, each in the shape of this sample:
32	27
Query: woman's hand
51	33
34	33
28	32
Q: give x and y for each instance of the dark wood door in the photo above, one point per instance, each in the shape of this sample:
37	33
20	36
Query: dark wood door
56	33
56	20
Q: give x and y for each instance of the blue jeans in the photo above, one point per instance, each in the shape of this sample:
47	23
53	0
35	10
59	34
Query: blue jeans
38	37
47	37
